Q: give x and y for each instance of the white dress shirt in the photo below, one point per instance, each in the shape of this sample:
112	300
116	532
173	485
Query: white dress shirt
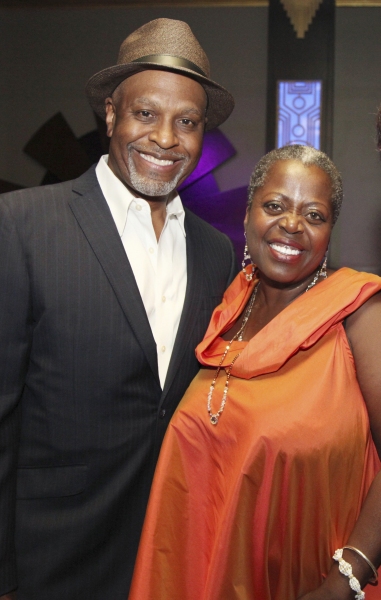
159	267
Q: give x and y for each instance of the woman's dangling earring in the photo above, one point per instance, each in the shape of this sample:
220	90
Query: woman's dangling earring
246	256
323	268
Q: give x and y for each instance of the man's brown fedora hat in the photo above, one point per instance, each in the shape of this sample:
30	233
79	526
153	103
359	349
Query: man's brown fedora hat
167	45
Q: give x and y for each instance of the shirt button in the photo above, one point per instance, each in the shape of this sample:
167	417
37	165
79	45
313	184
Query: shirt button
163	348
162	413
163	299
151	251
138	207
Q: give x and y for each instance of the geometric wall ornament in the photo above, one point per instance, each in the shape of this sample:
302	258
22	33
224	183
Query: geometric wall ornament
293	109
299	113
301	14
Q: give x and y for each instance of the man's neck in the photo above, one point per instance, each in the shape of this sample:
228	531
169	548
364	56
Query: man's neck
158	215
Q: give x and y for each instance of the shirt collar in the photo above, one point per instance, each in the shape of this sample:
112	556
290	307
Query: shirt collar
119	197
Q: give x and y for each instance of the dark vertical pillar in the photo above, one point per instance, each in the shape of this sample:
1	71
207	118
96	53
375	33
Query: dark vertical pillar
311	57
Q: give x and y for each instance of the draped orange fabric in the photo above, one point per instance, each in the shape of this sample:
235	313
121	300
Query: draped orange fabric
254	508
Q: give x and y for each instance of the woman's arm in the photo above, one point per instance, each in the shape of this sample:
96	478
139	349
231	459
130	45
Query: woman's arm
364	335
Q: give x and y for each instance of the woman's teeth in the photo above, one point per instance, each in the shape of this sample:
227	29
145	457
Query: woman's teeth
156	161
285	249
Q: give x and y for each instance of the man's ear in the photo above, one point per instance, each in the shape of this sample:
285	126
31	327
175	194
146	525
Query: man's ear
110	116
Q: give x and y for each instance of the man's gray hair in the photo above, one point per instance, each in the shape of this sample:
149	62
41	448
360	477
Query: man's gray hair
309	157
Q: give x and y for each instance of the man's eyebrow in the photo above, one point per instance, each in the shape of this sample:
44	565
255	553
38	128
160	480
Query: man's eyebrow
185	111
194	111
144	100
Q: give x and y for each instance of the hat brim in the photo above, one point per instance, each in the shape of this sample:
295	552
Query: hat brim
101	86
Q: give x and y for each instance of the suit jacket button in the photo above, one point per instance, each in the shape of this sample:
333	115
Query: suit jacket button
162	413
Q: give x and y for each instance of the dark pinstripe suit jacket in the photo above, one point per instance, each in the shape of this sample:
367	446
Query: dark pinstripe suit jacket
82	414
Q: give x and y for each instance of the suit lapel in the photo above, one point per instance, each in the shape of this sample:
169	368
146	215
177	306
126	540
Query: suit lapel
193	299
93	215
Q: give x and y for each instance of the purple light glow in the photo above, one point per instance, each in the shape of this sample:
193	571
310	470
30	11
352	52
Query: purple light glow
200	192
216	150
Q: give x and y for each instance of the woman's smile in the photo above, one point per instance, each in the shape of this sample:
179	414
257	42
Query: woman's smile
284	250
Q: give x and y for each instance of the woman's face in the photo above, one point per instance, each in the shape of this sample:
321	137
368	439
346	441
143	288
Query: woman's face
289	223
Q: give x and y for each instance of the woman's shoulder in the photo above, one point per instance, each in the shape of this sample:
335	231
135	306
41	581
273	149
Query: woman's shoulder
370	309
359	285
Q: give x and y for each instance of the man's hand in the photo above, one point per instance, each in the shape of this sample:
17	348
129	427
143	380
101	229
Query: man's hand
9	596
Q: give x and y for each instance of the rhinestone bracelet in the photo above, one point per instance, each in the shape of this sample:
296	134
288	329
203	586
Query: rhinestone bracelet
346	569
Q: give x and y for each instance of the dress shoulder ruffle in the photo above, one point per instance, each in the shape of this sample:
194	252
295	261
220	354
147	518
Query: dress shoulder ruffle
302	323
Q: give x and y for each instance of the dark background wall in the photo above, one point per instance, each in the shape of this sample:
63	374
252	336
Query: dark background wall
47	55
357	96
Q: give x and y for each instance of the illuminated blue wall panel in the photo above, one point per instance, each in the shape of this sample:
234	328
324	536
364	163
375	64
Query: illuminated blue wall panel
299	112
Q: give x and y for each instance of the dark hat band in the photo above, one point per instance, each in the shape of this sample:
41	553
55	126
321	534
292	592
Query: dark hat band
166	60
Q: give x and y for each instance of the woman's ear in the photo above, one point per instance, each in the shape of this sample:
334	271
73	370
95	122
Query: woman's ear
246	218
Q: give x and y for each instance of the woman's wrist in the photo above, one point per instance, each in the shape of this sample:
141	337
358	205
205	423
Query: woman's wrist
360	562
345	569
336	585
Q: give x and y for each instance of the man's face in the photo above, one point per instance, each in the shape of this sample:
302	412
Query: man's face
156	121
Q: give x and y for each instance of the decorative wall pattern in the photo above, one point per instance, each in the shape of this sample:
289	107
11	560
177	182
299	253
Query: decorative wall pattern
299	113
301	14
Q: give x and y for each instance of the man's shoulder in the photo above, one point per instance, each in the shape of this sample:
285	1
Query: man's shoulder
40	191
195	223
44	193
212	248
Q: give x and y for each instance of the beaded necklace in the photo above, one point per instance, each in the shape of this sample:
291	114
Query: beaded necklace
214	417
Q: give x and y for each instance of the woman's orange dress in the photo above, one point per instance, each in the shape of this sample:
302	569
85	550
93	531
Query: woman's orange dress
254	507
